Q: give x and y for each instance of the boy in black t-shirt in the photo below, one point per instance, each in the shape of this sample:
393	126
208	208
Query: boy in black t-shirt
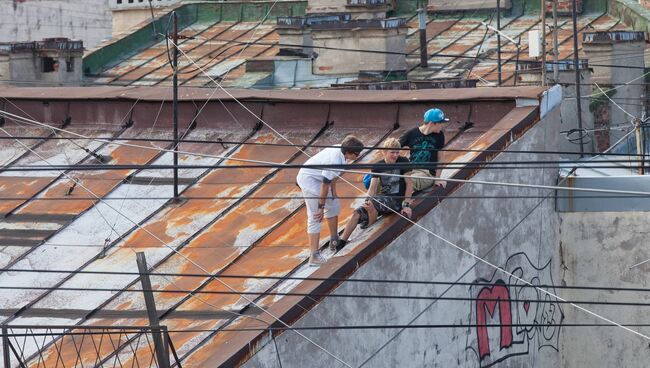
424	143
386	194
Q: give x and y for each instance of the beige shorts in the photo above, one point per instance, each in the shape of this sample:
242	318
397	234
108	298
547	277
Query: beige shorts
422	183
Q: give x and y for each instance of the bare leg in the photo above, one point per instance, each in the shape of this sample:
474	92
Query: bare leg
349	227
372	214
333	226
313	243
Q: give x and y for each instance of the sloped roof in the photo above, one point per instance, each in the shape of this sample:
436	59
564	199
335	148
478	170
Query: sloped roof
457	44
233	222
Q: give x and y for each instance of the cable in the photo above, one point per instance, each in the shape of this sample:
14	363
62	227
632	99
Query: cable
266	144
136	329
546	187
333	295
594	314
329	279
572	189
198	265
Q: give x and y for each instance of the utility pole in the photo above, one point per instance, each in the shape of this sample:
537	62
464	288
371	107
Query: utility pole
576	66
422	18
161	352
499	43
556	51
175	103
543	9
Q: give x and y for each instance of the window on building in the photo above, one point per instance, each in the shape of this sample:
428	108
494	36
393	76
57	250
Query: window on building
49	65
69	64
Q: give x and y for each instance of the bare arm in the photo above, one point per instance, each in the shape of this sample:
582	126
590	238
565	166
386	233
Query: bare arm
408	193
441	158
373	188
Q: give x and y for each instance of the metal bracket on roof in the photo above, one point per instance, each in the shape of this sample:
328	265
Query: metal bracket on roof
66	122
258	126
221	143
71	189
466	126
127	124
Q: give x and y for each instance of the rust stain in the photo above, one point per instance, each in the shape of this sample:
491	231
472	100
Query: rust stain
96	183
19	187
258	262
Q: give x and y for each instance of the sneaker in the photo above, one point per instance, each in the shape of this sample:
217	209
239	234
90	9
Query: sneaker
316	259
333	244
340	244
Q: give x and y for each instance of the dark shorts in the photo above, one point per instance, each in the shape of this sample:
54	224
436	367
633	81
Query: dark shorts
383	205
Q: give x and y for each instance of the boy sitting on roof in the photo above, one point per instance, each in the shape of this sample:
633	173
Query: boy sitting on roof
387	194
319	190
424	143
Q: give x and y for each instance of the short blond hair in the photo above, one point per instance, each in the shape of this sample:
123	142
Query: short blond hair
391	143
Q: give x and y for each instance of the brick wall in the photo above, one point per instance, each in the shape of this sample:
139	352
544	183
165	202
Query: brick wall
564	6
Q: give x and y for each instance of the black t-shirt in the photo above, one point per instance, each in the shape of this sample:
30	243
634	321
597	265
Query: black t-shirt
391	185
424	148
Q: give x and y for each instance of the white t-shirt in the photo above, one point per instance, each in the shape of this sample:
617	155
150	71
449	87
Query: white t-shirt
310	179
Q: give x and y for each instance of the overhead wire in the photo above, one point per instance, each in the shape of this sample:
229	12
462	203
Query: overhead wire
333	295
448	179
590	287
478	258
270	144
124	216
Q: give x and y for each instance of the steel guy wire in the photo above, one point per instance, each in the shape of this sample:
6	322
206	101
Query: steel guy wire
133	222
207	272
444	239
594	314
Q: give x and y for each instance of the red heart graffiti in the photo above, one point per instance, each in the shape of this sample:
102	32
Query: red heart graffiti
526	306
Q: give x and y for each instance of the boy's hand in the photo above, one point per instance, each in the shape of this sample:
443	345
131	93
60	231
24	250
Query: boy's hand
441	183
407	212
318	216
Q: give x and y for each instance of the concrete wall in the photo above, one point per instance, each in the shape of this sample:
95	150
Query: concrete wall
357	11
476	225
597	249
33	20
344	62
570	110
451	5
25	69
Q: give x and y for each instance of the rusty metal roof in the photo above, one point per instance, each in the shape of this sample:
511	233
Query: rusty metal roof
234	222
458	46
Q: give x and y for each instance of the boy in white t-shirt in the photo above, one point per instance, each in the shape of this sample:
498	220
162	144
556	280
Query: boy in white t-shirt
319	190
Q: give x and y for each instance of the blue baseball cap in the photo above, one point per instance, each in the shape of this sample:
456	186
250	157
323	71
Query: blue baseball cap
434	116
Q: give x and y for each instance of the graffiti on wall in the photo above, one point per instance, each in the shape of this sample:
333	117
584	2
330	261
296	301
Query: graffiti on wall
511	318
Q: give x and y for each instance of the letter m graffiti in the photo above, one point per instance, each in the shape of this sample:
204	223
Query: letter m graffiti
486	303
